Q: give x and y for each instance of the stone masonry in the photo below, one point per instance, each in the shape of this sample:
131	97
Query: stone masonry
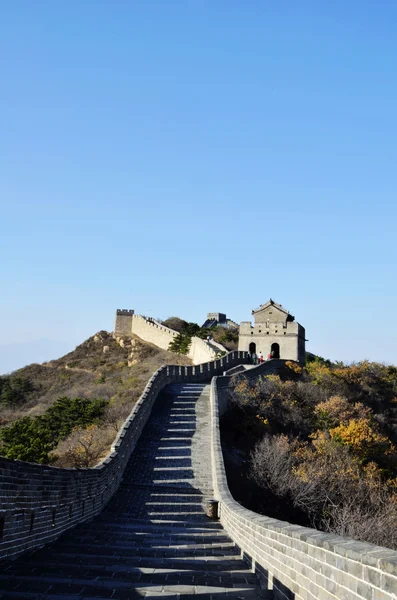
141	530
297	563
274	330
123	321
153	539
156	333
38	503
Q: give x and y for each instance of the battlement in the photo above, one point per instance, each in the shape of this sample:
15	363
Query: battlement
123	321
125	312
221	317
153	323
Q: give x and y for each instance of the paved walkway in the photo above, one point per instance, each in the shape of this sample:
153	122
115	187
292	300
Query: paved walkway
153	540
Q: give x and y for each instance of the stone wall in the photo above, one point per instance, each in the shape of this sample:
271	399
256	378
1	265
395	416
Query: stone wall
290	337
202	351
152	331
38	503
199	351
123	322
298	563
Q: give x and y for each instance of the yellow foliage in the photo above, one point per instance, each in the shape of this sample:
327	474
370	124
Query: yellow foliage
338	409
245	391
293	366
263	420
362	436
319	373
274	378
322	461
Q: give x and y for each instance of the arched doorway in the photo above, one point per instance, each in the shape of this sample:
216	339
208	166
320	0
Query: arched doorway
275	349
252	348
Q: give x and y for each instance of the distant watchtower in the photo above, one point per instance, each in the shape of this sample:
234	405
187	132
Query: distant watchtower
123	324
275	331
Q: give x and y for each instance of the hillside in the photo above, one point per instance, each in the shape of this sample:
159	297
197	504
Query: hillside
318	446
104	375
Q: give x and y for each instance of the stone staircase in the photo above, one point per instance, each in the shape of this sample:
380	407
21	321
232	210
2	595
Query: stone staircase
153	540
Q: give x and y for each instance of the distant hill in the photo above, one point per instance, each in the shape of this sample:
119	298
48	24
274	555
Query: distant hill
113	369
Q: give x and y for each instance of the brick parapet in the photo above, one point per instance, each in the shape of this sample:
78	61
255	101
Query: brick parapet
200	350
38	503
298	562
156	333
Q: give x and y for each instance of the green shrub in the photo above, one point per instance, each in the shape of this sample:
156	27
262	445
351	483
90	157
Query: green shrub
14	391
33	438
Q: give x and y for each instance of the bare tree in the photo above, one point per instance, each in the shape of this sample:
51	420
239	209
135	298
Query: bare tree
83	447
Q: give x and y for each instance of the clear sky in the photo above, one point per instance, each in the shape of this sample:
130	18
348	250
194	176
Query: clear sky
185	156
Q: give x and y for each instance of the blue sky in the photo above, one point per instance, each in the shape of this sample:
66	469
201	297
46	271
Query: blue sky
180	157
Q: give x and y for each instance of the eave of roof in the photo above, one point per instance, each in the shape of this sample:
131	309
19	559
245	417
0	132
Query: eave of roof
271	303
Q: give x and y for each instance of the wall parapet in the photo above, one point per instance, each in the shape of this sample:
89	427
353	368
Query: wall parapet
152	331
126	312
38	503
297	562
157	324
200	350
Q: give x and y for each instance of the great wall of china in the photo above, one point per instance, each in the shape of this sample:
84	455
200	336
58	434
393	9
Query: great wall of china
39	503
156	333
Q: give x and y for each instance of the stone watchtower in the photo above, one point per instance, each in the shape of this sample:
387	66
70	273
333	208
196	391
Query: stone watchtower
123	323
274	331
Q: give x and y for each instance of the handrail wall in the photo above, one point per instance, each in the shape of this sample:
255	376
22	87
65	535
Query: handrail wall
297	562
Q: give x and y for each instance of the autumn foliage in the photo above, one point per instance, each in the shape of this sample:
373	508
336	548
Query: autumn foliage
328	444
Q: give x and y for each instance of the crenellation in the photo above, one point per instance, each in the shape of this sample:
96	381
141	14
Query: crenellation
123	321
125	311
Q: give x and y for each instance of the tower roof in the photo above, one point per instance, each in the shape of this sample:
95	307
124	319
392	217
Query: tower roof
276	305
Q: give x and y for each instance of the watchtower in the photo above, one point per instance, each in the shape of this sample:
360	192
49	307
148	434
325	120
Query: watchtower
274	331
123	323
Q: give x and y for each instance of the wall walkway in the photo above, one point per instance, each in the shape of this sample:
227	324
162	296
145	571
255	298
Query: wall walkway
38	503
153	539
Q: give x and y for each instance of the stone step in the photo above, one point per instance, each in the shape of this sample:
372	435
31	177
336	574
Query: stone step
104	587
189	518
105	536
153	539
205	524
143	540
135	595
231	563
94	572
131	551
